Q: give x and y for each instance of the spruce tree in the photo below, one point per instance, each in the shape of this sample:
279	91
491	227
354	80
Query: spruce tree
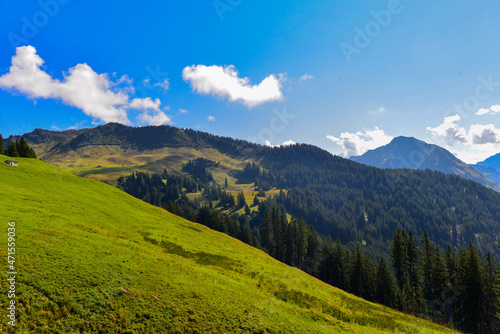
490	294
241	199
22	147
12	150
472	295
386	286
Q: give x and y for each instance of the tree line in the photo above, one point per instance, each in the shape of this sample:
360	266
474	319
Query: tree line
17	148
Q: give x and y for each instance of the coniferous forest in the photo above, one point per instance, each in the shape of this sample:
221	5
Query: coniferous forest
417	276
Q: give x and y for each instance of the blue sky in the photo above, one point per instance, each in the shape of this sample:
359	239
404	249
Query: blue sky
344	75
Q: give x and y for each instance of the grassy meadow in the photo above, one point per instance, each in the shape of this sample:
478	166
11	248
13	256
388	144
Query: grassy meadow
92	259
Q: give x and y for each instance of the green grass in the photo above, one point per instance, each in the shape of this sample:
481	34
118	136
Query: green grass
92	259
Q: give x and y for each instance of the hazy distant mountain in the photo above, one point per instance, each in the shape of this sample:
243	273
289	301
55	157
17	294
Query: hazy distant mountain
492	162
409	152
490	167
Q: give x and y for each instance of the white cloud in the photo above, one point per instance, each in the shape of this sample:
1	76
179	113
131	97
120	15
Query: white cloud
306	77
450	131
284	144
483	111
484	134
154	118
492	110
495	109
224	82
95	94
477	134
152	114
358	143
183	111
473	145
165	84
211	118
145	104
288	143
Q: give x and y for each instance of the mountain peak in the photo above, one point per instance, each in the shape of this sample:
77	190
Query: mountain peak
412	153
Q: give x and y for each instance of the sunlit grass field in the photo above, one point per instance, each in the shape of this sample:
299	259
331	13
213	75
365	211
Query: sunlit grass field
92	259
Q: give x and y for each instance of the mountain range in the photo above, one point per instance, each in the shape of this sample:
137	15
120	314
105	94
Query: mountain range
356	203
409	152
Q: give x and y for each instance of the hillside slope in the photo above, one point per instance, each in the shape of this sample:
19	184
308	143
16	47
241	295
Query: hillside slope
92	259
409	152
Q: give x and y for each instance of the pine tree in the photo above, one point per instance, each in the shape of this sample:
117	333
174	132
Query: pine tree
12	150
490	294
427	265
1	144
472	296
241	199
452	277
256	200
226	183
267	233
386	286
357	274
22	147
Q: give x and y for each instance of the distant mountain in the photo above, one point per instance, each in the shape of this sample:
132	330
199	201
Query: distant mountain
492	162
490	167
409	152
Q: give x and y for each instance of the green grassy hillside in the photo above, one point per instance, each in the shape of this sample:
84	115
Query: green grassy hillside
92	259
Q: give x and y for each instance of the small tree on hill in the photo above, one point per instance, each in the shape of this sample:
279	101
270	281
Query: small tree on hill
241	199
12	150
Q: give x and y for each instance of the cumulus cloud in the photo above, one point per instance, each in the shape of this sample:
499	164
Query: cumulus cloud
284	144
225	83
484	134
95	94
491	110
450	131
211	118
360	142
477	134
483	111
306	77
495	109
152	114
